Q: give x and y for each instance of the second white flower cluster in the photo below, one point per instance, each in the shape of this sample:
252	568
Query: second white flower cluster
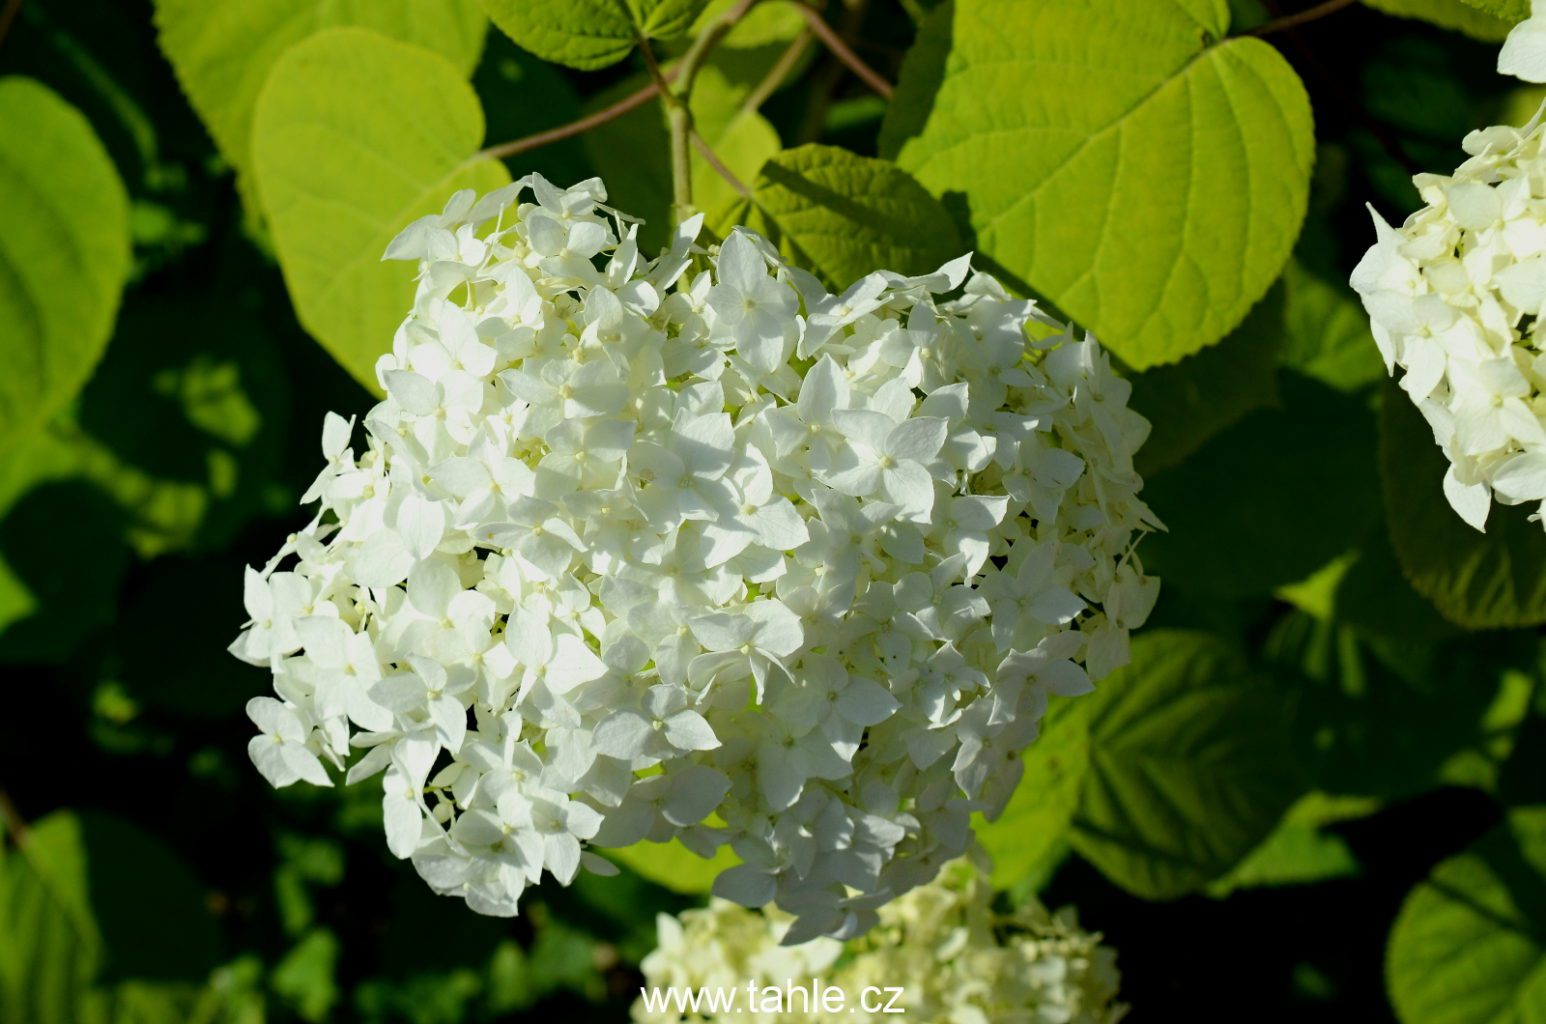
1455	297
690	548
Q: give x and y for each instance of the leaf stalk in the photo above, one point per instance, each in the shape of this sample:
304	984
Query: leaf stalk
1309	14
843	52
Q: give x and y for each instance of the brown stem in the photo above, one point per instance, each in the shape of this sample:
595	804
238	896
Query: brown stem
657	76
718	166
777	73
14	823
842	51
584	124
1299	18
7	16
828	73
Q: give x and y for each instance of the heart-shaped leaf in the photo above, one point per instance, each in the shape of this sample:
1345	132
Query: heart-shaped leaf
356	135
1122	158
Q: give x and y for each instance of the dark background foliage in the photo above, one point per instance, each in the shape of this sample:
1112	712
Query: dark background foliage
126	521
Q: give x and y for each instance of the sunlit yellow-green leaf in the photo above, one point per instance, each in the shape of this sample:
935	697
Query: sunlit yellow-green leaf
842	216
223	50
356	135
1469	946
590	34
1037	821
674	865
1509	10
1123	159
1460	15
64	253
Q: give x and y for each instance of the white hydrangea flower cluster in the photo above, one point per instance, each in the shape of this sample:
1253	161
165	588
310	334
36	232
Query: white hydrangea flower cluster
1454	297
1524	51
956	960
691	548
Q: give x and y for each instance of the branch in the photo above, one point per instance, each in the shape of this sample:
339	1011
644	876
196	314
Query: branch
8	16
14	823
678	102
1292	20
777	73
841	50
584	124
652	66
713	161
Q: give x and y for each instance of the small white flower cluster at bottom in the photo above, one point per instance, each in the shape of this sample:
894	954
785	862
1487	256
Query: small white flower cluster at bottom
942	948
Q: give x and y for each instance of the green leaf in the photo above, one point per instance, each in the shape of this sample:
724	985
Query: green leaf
1326	332
49	950
1393	716
1469	946
64	253
74	903
51	601
1411	86
743	140
1245	15
1190	765
1505	729
590	34
1511	11
674	865
1036	823
631	152
1519	105
565	959
1364	589
753	44
306	977
1477	580
1233	530
175	443
223	50
1122	159
665	19
584	34
1474	21
1187	403
1300	850
1522	778
842	216
356	135
186	430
